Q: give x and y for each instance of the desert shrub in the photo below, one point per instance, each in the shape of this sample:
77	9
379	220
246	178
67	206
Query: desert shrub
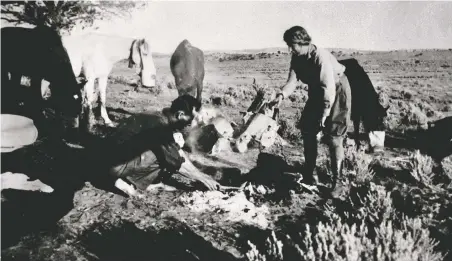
421	169
427	108
119	79
364	227
357	165
368	226
273	248
414	116
447	166
407	94
366	202
383	97
409	242
391	122
337	240
370	202
236	92
236	57
288	128
228	100
447	108
299	97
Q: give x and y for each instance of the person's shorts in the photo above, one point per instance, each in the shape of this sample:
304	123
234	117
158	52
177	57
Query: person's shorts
339	119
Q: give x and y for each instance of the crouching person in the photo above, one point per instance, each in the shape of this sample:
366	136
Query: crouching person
148	158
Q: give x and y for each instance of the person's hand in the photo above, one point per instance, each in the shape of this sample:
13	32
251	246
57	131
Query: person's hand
276	102
210	183
322	122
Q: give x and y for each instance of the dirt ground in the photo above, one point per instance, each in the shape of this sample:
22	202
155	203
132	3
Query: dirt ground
91	223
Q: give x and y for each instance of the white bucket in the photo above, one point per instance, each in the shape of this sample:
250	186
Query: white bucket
377	139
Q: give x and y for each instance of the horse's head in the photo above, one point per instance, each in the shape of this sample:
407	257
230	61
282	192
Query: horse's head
379	118
66	94
140	55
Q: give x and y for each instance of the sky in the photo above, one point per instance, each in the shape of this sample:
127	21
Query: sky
235	25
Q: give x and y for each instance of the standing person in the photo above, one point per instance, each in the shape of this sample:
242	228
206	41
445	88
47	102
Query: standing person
329	99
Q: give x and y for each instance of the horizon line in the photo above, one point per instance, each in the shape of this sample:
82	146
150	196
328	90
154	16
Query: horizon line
328	48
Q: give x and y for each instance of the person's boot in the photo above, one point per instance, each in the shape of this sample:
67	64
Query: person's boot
337	175
308	174
310	155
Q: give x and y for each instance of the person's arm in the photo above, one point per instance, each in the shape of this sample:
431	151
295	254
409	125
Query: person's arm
326	82
188	170
290	85
287	89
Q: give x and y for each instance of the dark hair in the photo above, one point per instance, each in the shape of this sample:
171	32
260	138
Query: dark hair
185	103
296	34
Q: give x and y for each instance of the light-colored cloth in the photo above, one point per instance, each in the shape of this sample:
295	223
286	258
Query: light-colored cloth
16	131
377	139
21	181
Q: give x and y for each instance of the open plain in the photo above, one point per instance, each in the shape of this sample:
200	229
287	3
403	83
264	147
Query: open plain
397	204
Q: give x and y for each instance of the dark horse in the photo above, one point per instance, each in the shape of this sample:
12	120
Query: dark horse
187	67
39	54
366	107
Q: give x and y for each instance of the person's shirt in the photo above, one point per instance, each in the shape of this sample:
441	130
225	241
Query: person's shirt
321	71
142	143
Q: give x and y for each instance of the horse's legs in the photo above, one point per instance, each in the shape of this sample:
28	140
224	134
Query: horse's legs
88	118
103	98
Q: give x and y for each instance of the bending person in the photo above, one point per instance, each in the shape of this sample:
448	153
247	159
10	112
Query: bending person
329	99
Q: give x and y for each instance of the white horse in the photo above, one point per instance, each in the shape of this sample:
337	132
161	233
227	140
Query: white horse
93	56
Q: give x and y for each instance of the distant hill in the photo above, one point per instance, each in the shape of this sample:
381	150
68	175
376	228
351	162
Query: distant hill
274	50
338	51
343	50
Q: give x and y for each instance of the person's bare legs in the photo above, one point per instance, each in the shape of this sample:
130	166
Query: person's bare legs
336	156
